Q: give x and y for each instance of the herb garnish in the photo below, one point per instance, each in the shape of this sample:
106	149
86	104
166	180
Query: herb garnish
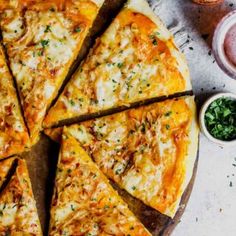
47	29
78	29
220	119
44	43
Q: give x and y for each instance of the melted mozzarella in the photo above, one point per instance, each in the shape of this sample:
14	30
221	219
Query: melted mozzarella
8	214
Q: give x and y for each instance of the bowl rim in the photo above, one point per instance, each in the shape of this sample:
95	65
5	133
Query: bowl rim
202	118
218	45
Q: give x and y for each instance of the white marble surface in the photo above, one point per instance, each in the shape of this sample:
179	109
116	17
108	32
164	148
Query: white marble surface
212	207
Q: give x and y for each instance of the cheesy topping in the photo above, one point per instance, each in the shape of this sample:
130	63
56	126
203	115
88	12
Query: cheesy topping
134	60
42	40
13	133
5	166
148	151
18	213
84	203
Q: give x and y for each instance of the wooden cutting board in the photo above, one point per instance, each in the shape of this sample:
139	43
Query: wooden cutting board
42	159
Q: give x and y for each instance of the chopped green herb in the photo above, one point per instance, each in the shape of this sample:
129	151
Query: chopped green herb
72	102
72	208
118	171
154	42
120	65
48	29
133	187
40	53
168	113
143	128
220	119
94	176
44	43
1	213
78	29
167	126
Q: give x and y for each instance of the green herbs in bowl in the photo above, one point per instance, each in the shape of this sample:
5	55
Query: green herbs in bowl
220	118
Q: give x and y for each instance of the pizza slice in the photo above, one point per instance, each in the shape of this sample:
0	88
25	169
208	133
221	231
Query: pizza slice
5	168
134	60
18	213
148	151
84	203
43	39
13	133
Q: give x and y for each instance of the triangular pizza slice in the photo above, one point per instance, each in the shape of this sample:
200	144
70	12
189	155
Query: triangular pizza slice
13	132
5	168
149	151
43	39
18	212
134	60
84	203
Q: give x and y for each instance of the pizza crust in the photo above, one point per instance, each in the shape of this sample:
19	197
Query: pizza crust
142	6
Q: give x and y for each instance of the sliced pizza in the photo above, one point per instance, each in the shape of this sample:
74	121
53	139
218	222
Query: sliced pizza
148	151
43	39
5	169
18	213
84	203
134	60
13	132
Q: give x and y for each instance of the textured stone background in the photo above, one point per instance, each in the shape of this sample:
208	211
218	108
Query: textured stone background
212	207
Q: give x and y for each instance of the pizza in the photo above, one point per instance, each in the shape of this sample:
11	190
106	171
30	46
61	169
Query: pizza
149	151
5	168
13	132
134	60
84	203
43	39
18	213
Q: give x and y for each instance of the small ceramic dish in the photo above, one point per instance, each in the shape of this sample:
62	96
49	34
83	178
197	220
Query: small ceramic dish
218	44
202	119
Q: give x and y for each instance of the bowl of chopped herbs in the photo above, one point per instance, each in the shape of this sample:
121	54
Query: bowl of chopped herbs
218	118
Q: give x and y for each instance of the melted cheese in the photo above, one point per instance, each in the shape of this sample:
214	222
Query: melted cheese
13	133
18	213
42	46
134	60
148	151
84	203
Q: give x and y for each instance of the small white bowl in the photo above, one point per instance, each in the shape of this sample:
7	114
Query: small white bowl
202	119
218	44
